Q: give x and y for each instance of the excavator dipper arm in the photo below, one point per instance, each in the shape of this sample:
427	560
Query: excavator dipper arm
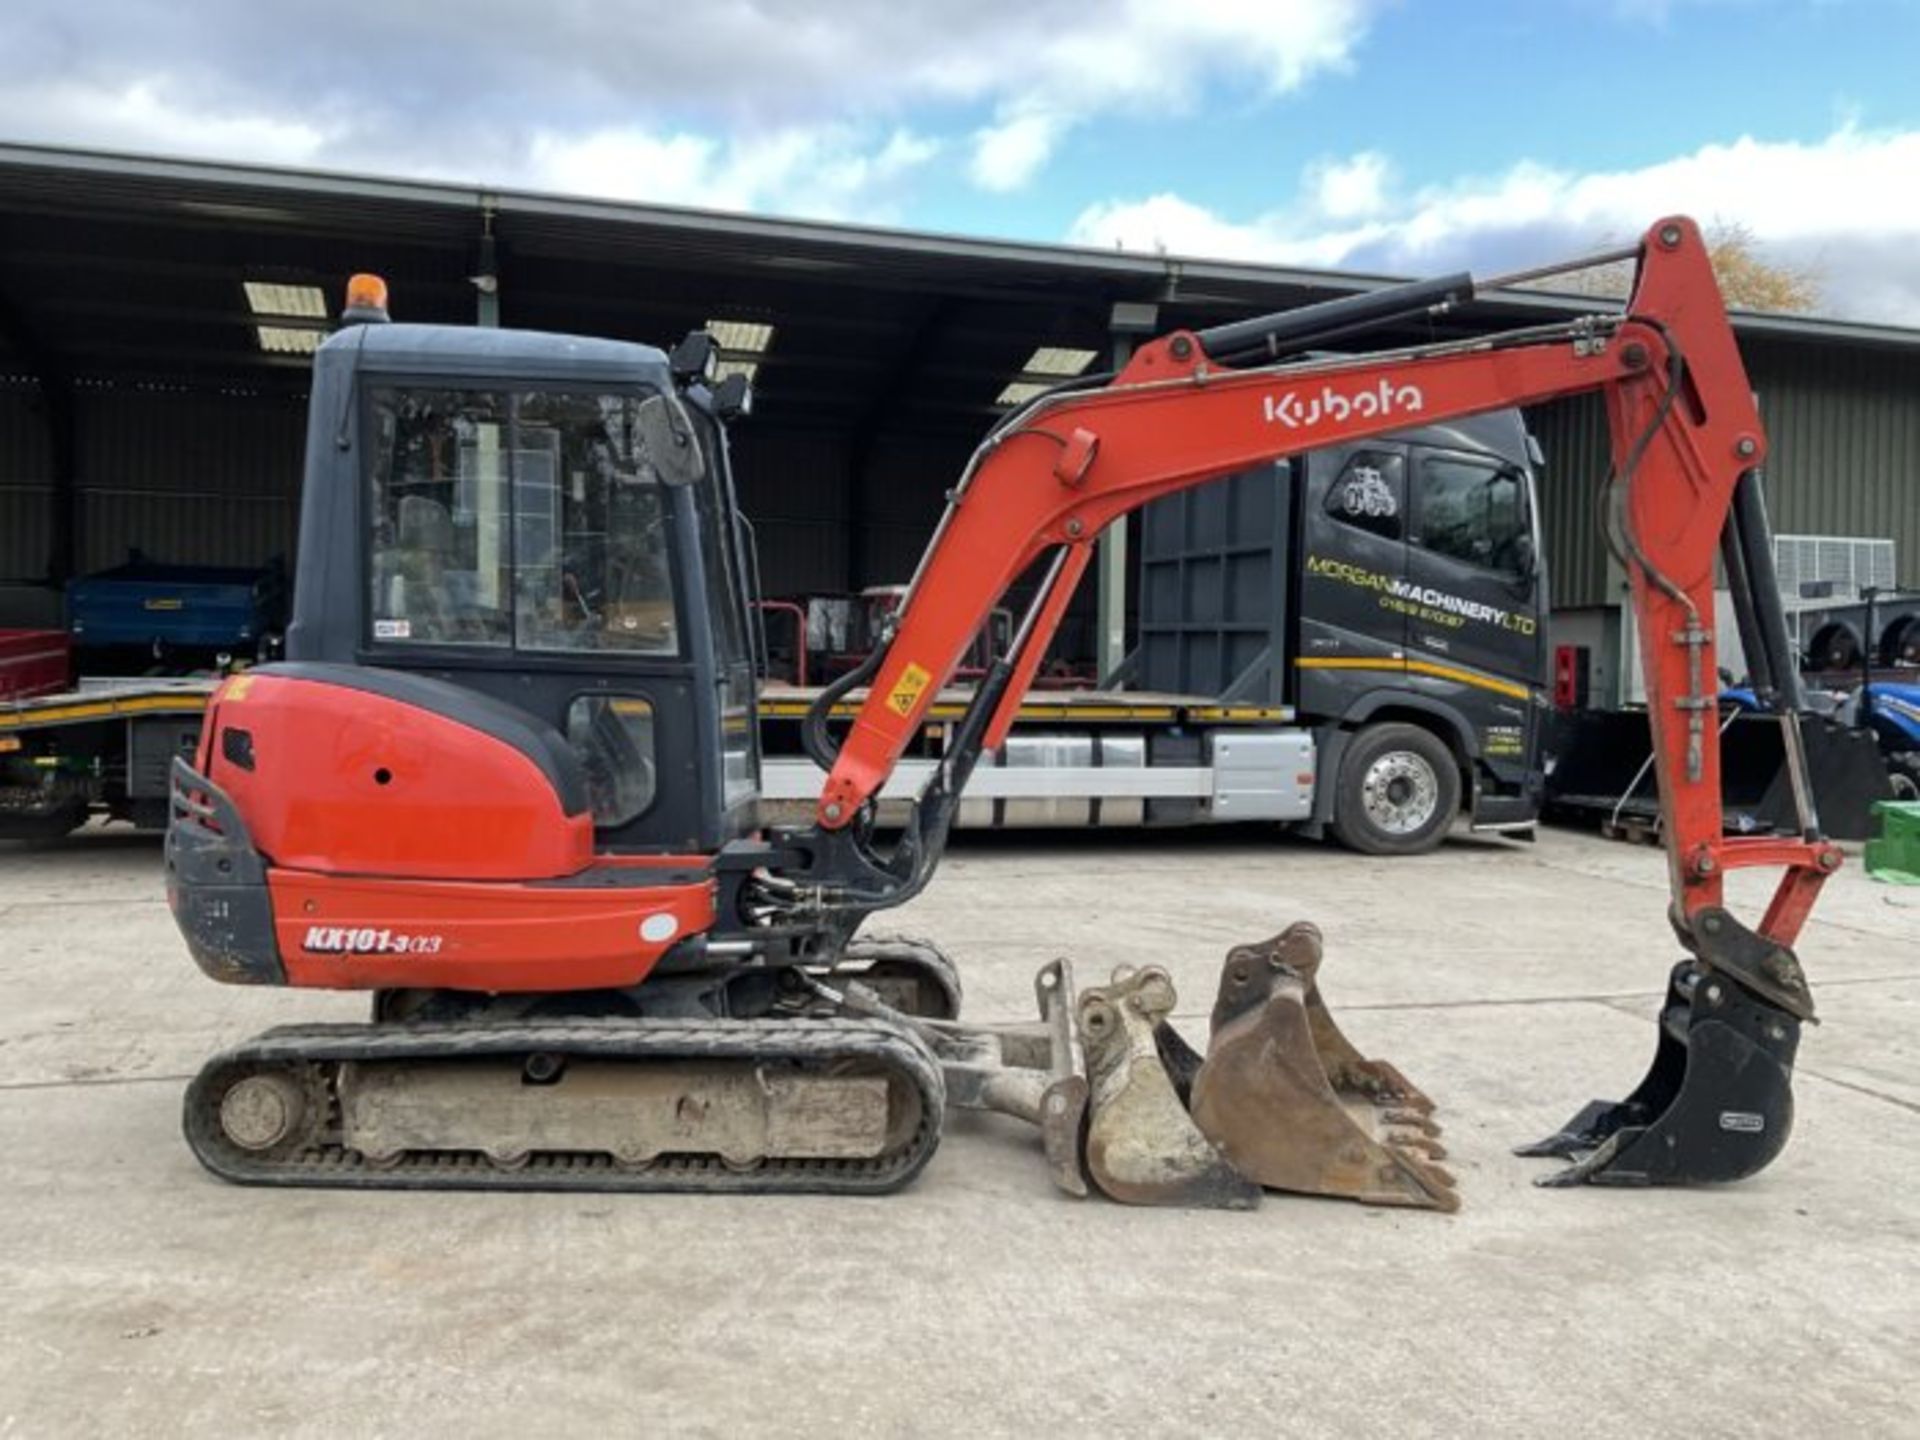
1686	439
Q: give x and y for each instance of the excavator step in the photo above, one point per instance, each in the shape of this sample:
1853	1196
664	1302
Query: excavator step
847	1106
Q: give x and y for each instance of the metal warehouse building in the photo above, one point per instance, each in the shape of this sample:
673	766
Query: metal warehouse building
155	317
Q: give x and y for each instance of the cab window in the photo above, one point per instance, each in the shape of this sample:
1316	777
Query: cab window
1474	512
534	519
613	736
439	530
1370	493
590	530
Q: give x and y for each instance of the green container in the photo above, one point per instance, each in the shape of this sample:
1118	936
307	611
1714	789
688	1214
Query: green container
1894	855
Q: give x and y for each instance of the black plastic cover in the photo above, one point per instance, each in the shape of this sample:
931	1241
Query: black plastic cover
217	885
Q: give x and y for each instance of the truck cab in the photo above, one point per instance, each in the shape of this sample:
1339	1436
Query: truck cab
1423	595
549	521
1392	595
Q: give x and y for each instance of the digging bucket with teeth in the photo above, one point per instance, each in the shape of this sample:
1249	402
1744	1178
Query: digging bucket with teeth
1288	1100
1717	1103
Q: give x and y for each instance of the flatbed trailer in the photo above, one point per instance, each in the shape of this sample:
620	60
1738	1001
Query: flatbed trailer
1105	758
105	746
1078	758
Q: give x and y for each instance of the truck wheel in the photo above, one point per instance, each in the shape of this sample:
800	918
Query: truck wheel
1397	792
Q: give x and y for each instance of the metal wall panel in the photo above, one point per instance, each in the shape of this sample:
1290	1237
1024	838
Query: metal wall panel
25	484
1845	432
149	438
247	530
24	534
901	501
189	477
1844	425
1573	437
793	488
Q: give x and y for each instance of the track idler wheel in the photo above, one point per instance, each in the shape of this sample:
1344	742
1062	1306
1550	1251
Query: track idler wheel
271	1111
1293	1105
1142	1147
1717	1104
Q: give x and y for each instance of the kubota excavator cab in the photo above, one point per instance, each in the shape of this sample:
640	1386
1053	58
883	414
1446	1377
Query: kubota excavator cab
549	521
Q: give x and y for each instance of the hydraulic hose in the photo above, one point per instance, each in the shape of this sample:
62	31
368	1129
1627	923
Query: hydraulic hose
814	736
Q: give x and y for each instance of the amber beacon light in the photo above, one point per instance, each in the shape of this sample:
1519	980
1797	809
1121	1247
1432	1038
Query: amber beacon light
366	299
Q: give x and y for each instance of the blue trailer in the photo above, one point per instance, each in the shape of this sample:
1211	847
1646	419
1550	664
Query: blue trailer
181	616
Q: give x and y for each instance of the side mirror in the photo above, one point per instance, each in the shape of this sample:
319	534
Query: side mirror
733	398
694	358
1525	558
667	439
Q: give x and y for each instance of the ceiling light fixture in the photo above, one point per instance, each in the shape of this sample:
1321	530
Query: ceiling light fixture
1045	368
748	337
271	297
288	339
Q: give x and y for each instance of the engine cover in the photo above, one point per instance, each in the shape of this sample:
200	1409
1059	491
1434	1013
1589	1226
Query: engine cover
349	771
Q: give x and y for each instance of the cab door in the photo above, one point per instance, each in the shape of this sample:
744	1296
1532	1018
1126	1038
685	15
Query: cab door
1472	567
1352	628
1474	597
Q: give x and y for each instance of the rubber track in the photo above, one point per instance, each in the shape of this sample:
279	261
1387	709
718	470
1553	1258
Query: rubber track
807	1041
865	950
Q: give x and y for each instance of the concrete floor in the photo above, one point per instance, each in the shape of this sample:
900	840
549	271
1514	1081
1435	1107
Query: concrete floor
1513	982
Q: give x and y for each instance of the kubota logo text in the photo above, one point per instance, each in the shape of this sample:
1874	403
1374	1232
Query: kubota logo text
1293	411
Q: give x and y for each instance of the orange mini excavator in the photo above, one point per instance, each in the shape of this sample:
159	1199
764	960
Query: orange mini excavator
507	780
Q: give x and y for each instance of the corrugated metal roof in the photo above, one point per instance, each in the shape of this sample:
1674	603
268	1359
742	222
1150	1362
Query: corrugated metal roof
397	209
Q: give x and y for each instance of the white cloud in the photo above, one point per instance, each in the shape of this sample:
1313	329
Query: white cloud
405	88
672	169
1350	189
1166	223
1842	204
1083	61
828	172
144	114
1006	156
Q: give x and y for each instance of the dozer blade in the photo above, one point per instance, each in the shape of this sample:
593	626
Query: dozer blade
1716	1105
1142	1147
1294	1106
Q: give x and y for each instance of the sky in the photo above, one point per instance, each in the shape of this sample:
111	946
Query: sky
1388	136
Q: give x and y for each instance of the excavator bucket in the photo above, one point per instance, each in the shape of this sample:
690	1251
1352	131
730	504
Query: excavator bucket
1290	1102
1716	1105
1142	1147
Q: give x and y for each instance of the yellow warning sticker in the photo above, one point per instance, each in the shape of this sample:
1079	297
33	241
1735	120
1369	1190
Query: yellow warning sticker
237	688
907	689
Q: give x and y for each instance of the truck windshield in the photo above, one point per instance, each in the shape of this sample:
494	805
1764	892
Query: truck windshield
531	519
